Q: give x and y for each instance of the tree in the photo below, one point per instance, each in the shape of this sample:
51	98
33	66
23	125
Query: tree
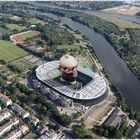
14	98
65	120
106	133
100	130
117	133
79	132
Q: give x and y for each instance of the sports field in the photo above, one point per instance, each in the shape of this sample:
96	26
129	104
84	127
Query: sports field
10	52
15	27
30	34
35	21
24	35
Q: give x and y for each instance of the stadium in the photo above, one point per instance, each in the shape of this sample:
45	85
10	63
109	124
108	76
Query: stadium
91	88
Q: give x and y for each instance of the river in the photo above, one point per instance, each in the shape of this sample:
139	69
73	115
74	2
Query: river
114	66
135	19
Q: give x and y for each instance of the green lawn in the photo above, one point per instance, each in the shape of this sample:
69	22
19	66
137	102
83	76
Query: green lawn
30	34
3	31
68	47
35	21
10	52
15	27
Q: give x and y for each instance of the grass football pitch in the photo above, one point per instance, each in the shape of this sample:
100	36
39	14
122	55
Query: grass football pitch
10	52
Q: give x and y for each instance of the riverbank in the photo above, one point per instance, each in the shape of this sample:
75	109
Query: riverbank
114	66
118	38
123	9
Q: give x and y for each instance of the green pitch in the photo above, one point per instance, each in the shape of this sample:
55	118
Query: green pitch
15	27
27	35
10	52
35	21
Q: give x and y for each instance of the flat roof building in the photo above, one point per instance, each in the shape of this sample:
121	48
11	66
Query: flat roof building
51	134
114	119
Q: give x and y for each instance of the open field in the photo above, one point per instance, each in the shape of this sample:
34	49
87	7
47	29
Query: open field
16	18
125	10
68	47
35	21
23	36
30	34
122	23
15	27
3	31
10	52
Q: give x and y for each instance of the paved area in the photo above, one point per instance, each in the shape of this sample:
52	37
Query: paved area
68	111
97	114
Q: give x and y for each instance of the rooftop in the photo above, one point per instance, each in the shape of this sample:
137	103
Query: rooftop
94	88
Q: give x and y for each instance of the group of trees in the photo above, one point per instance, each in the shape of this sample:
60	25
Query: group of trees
24	96
96	5
134	114
80	132
14	68
55	35
2	81
113	132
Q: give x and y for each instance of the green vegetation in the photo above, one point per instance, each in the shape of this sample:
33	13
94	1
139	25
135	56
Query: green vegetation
3	31
10	52
35	21
15	27
14	68
125	41
134	114
56	35
113	132
27	35
122	23
92	5
67	48
80	133
25	97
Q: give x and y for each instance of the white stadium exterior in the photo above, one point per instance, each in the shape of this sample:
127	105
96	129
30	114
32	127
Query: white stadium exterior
95	89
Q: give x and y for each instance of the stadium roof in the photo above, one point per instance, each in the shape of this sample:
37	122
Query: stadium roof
94	89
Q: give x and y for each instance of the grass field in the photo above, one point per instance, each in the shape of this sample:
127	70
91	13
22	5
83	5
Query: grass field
68	47
30	34
122	23
15	27
3	31
35	21
10	52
